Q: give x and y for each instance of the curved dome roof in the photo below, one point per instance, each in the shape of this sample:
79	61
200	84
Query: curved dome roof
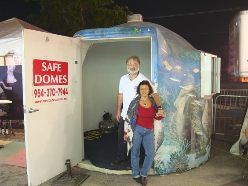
168	34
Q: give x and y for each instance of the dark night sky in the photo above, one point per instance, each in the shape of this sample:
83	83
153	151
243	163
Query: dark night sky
205	31
16	8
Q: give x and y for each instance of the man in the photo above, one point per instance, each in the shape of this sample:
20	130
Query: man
127	91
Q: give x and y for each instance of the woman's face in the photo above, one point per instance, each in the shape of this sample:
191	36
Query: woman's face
11	68
144	90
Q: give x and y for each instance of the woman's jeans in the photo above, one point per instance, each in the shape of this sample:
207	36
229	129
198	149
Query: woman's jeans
146	138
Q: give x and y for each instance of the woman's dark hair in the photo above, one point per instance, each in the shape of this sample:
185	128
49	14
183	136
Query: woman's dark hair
145	82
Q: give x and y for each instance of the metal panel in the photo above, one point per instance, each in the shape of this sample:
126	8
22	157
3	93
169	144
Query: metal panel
217	70
210	74
243	40
224	103
206	68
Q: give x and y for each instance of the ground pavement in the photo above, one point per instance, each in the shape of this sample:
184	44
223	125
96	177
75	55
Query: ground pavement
222	168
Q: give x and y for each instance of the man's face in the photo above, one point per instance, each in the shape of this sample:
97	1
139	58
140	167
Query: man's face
132	66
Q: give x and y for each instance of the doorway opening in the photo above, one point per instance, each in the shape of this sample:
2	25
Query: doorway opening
104	64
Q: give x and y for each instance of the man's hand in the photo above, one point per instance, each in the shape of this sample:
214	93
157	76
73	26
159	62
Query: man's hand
125	137
119	103
161	113
118	116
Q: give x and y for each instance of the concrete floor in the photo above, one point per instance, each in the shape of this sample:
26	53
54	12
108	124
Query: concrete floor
222	168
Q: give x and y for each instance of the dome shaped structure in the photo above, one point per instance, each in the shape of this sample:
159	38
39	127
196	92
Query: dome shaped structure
178	71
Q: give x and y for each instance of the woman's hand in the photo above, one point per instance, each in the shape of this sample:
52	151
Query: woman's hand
125	137
4	86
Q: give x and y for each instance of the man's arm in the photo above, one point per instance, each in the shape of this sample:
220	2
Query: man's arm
119	103
155	94
157	99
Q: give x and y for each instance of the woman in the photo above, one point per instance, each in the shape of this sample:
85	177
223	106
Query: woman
139	130
11	84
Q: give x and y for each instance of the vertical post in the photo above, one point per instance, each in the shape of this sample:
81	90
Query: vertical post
68	164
